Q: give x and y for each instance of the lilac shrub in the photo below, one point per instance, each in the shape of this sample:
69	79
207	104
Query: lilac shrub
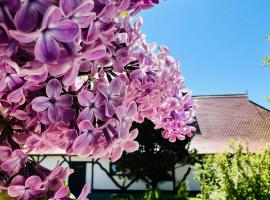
74	76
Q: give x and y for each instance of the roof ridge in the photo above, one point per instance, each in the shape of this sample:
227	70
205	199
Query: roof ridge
256	104
221	96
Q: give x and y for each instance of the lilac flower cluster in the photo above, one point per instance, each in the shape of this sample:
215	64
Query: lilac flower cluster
74	76
41	183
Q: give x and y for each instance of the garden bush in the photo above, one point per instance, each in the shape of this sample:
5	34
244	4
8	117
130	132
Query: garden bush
238	175
182	193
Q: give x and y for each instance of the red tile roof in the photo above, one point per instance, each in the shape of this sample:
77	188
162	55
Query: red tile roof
224	117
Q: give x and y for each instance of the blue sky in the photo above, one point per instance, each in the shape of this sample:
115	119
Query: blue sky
220	43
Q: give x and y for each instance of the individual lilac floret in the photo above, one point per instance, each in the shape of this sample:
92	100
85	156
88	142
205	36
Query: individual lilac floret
54	103
113	94
126	115
84	143
5	153
93	106
6	8
24	190
61	193
54	29
9	75
30	13
78	11
118	146
55	179
15	162
84	193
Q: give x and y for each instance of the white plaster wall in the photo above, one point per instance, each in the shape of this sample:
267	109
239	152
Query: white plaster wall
88	173
50	162
102	181
166	185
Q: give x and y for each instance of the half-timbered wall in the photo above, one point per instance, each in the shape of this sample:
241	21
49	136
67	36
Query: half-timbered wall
99	177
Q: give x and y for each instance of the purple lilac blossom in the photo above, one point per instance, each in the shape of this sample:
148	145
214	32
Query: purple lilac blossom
74	76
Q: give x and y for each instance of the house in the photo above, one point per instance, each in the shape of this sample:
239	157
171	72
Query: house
219	119
224	117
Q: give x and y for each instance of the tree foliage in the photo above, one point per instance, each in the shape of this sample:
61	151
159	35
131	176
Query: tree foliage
154	161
